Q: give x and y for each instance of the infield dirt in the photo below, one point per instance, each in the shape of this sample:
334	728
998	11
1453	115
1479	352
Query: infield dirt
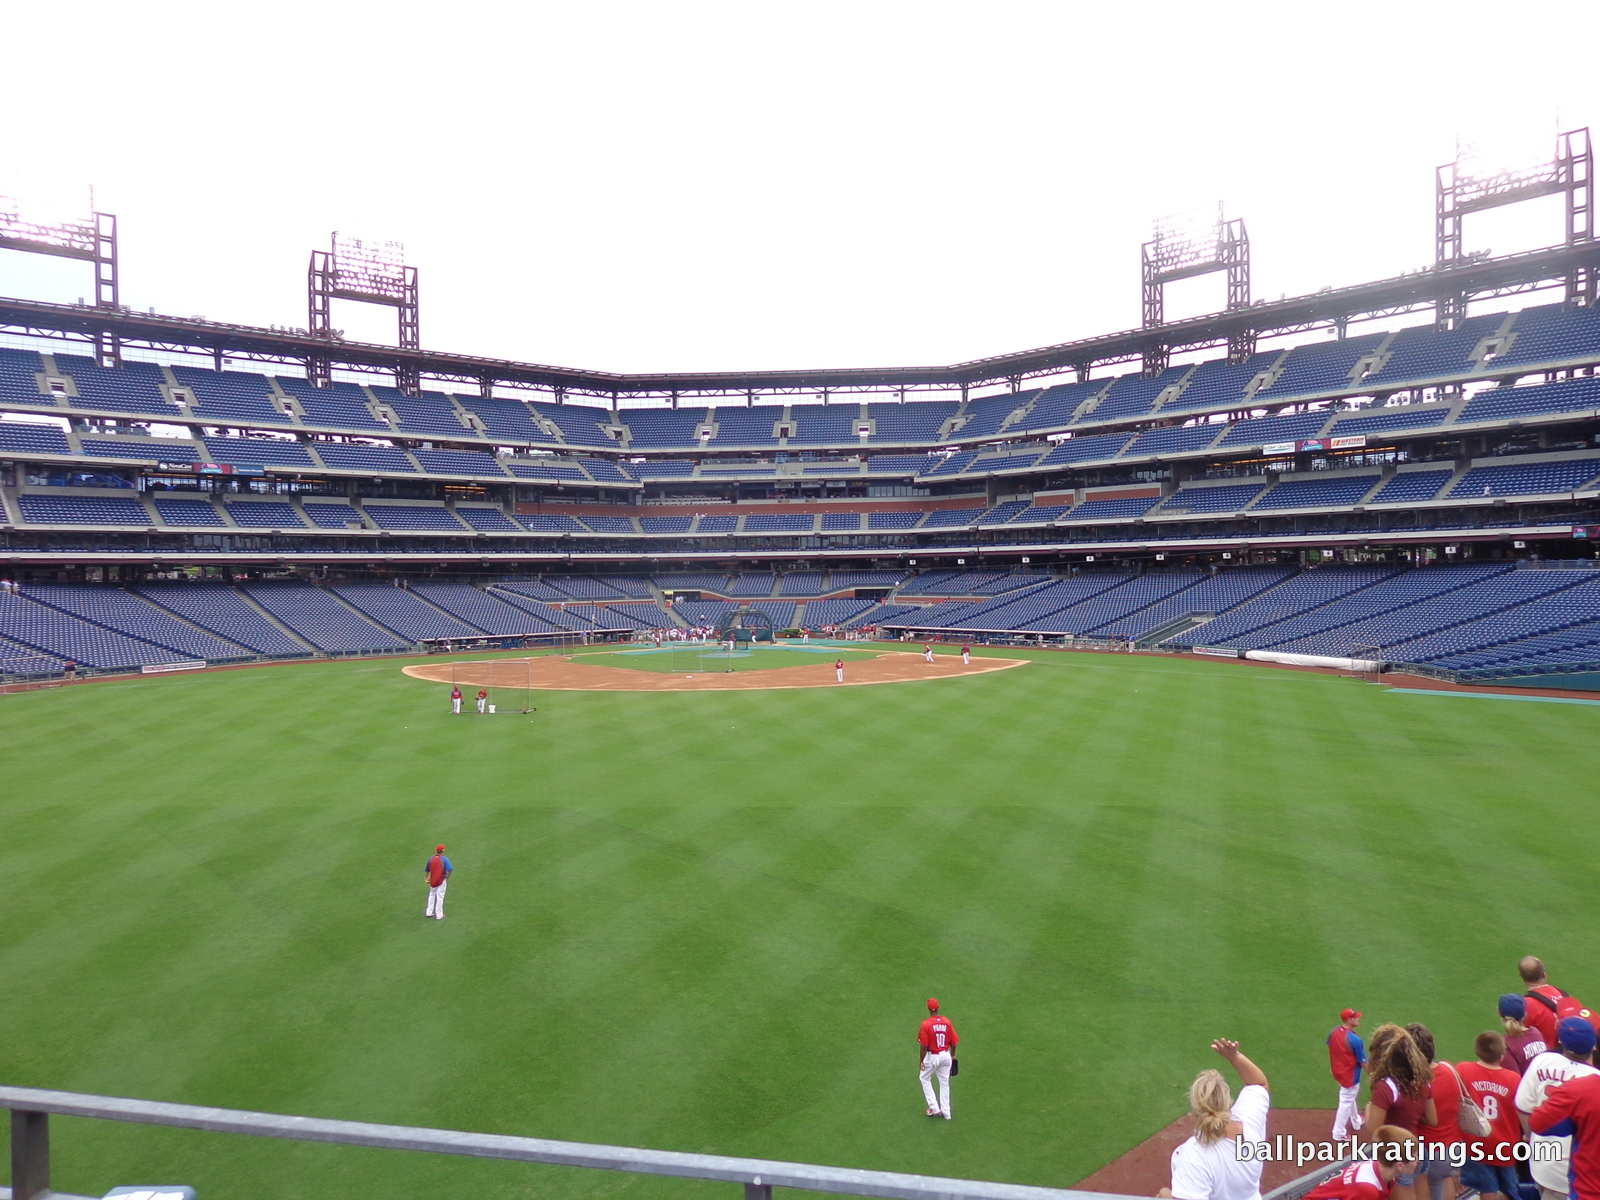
582	673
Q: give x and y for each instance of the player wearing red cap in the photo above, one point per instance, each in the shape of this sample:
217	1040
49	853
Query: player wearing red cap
927	652
966	656
483	700
838	670
455	700
936	1043
1347	1054
437	872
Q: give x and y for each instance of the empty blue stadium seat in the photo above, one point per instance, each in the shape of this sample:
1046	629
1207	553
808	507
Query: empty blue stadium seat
133	387
26	437
411	617
264	514
332	515
910	423
1412	486
188	512
352	456
228	396
1175	439
1086	449
487	520
320	619
82	510
413	517
340	406
252	451
1526	479
1331	489
225	612
1321	367
147	449
461	462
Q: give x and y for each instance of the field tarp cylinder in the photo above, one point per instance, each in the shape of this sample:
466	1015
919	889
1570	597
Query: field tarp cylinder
1314	660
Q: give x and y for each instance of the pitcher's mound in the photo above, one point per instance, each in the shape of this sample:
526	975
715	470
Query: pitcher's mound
586	673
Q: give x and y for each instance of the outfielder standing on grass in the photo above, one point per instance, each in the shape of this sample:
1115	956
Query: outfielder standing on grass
936	1043
437	872
455	699
1347	1054
483	700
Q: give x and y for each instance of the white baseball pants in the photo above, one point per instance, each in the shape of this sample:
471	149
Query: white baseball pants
436	900
840	674
455	705
937	1064
1348	1117
483	706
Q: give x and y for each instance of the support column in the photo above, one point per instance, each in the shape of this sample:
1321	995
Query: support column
30	1155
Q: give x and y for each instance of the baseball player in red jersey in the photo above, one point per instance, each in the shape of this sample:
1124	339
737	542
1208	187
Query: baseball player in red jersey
927	652
838	670
483	701
936	1043
455	699
437	872
966	656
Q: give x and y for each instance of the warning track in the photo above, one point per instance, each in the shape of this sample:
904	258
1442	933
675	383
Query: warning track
587	673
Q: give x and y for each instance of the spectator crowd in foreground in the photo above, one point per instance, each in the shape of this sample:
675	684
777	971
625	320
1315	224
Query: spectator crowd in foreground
1520	1120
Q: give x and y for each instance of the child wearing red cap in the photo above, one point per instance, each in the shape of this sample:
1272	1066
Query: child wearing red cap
936	1043
1347	1054
437	871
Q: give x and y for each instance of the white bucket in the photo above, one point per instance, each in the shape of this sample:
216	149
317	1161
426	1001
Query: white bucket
491	708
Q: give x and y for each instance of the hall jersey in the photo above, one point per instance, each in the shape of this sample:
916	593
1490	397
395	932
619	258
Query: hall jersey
938	1035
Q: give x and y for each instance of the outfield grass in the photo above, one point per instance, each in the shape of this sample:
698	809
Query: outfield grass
709	921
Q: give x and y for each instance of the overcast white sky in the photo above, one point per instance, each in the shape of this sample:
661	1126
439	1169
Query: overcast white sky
685	186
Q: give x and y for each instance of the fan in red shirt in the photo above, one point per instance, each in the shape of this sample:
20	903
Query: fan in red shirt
1492	1167
1543	1000
1395	1151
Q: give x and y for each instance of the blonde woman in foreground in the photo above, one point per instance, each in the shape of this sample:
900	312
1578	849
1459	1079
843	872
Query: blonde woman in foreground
1206	1166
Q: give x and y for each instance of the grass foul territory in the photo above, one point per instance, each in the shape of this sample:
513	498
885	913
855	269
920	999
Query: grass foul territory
708	921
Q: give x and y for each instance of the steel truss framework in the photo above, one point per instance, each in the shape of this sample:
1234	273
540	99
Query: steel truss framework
109	327
352	270
1570	173
94	241
1165	260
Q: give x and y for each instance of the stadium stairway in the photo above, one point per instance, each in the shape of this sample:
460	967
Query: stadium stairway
1173	628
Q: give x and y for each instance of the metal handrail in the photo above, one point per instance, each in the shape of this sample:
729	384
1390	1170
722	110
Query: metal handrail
30	1155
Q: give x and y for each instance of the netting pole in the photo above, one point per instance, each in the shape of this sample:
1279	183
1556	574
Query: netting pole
527	692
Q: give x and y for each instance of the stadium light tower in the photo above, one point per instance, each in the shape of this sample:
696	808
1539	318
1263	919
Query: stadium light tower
1457	193
374	273
92	239
1180	249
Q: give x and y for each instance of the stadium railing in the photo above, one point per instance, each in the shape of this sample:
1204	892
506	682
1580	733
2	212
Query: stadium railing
31	1109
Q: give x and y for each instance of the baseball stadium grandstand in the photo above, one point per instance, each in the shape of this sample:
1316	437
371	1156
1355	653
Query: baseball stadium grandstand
1158	567
1425	491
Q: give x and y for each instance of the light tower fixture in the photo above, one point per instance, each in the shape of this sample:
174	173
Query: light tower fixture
1181	247
91	239
374	273
1458	192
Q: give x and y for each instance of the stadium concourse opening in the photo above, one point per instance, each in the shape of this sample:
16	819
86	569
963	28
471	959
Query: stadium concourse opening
620	670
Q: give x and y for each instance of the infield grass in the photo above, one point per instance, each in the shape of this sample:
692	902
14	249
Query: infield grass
709	921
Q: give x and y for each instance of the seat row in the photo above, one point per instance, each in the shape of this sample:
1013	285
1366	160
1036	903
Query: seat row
1501	345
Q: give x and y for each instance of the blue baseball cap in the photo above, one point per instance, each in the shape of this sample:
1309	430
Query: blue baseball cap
1576	1035
1513	1006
